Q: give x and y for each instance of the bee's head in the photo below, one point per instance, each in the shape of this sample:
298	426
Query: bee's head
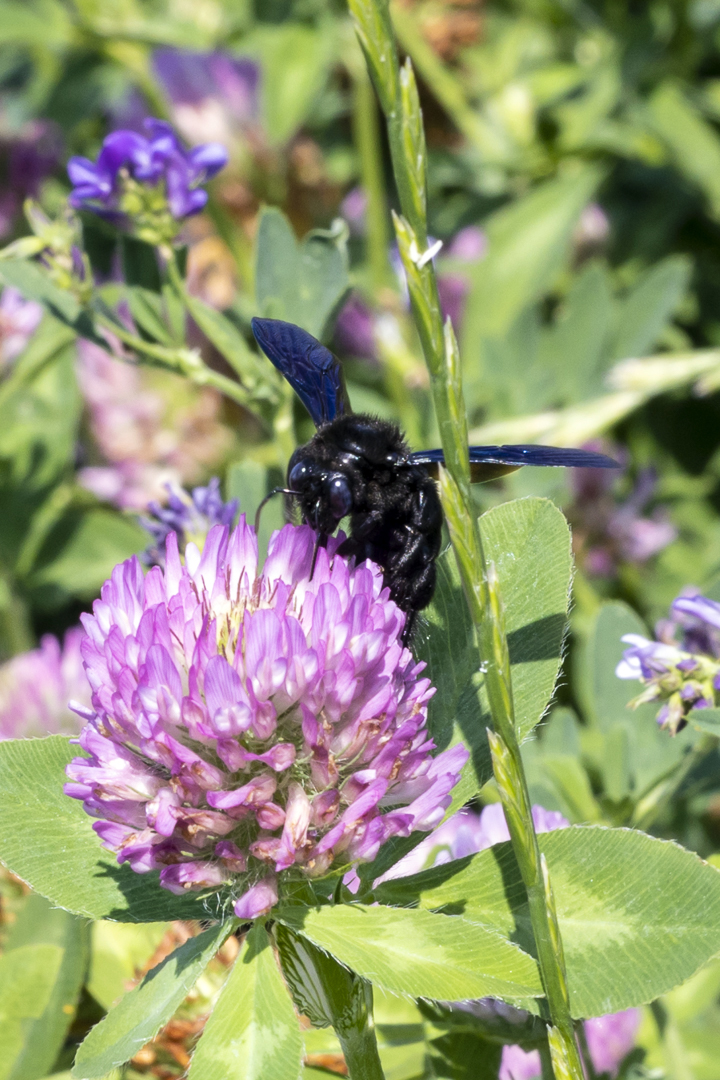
325	496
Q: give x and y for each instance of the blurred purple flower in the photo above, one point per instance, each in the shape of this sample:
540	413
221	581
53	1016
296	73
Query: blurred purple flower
519	1064
466	833
468	245
453	290
19	319
683	674
213	94
148	438
247	723
354	329
609	1038
189	516
126	156
606	532
36	686
30	156
353	208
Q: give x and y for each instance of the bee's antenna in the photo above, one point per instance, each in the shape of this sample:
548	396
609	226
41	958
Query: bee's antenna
275	491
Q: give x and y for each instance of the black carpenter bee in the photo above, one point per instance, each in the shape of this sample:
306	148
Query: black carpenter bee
361	466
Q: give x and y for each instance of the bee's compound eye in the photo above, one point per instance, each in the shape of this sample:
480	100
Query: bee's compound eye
339	495
300	474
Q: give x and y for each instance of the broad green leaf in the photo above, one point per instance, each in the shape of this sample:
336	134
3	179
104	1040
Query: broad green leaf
637	915
300	282
462	1056
693	143
417	953
626	746
707	720
528	242
146	308
119	950
253	1032
27	978
529	542
138	1016
80	554
35	284
255	372
43	1030
575	347
295	62
492	1024
581	117
49	404
47	839
39	24
650	306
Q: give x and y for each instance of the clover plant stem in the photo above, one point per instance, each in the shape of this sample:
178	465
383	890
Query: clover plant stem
399	99
367	139
357	1038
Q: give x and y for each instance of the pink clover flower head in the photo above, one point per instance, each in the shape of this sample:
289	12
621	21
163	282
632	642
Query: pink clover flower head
682	674
246	724
38	687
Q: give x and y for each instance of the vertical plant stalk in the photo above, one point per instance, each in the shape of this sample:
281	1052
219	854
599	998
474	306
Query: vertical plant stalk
399	99
331	996
366	130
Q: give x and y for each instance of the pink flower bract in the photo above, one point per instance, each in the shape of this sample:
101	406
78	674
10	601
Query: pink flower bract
246	724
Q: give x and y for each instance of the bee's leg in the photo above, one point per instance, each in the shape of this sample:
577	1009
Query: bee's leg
409	627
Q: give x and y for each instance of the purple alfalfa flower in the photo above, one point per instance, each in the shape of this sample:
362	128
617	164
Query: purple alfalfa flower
246	724
682	675
36	686
132	170
354	209
189	515
609	532
212	94
19	319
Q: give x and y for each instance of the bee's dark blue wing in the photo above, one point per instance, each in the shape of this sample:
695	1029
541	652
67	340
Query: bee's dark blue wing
488	462
313	372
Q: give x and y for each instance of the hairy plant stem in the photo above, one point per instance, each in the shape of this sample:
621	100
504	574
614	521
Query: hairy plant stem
399	99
